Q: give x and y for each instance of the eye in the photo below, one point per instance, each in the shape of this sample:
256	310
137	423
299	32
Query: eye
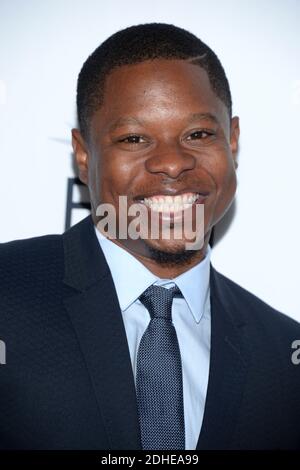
200	135
133	139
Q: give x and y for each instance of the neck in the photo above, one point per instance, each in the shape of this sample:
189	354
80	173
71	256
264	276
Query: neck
161	264
172	269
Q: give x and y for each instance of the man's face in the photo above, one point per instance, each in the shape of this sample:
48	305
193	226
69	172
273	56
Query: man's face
161	131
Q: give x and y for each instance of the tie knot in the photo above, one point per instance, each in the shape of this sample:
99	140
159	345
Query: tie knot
158	301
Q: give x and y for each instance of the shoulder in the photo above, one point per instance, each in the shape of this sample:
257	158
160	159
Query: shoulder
27	259
253	310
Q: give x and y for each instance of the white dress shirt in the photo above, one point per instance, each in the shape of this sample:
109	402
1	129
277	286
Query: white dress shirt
190	315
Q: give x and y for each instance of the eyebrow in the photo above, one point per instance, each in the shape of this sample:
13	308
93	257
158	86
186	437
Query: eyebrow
199	116
133	120
123	121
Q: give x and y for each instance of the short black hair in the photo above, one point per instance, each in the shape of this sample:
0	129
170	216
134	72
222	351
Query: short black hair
137	44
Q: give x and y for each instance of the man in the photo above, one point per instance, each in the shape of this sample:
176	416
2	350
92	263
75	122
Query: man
138	342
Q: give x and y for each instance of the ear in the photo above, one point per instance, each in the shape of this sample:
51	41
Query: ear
234	138
81	155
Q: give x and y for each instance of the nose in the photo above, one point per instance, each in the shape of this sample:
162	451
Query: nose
170	160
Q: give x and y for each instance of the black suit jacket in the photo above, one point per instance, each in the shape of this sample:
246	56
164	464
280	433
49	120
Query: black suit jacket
68	382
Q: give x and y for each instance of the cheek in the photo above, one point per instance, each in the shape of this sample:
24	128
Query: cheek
115	175
220	167
226	184
225	174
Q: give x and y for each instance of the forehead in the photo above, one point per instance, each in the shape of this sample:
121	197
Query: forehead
170	88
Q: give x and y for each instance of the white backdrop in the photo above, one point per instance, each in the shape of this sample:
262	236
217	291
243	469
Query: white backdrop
42	47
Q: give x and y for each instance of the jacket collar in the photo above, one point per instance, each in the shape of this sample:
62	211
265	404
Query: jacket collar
96	317
229	364
85	264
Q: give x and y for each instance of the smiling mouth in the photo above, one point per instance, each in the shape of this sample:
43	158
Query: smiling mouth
173	204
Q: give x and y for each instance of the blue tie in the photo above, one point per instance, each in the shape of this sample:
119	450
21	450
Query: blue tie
159	375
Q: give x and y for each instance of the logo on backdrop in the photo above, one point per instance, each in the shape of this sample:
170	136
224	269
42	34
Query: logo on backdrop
74	184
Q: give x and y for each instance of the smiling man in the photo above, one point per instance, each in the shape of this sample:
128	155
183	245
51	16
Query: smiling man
136	342
161	136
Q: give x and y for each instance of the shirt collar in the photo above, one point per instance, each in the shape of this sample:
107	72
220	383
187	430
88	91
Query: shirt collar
194	283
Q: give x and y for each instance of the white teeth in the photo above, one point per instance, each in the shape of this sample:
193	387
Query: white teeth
171	203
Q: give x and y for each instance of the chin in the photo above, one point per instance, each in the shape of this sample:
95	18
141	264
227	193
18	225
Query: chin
166	246
171	254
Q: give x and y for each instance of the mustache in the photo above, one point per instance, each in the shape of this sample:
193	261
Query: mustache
179	185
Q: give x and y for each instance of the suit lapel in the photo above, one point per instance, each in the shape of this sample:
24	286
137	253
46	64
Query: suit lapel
228	368
93	307
96	316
